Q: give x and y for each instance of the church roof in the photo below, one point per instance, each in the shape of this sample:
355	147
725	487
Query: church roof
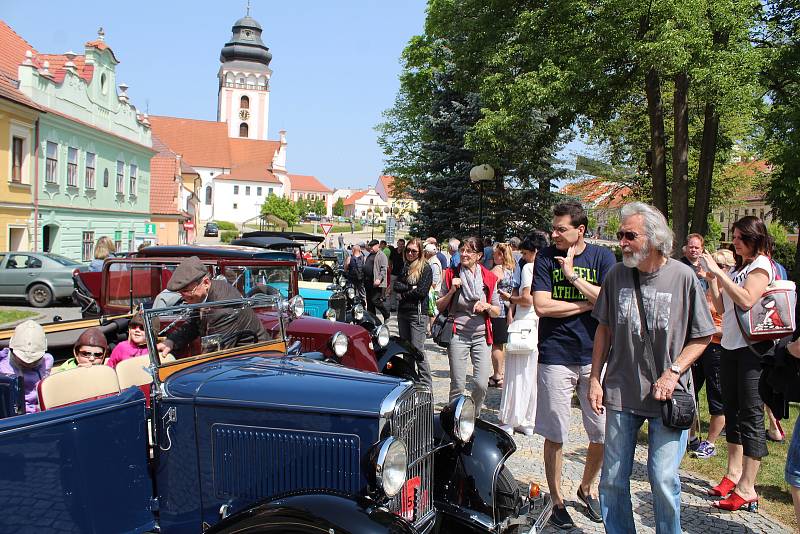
301	182
246	44
250	172
355	197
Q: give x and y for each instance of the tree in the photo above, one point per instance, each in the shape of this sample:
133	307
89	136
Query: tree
282	208
338	207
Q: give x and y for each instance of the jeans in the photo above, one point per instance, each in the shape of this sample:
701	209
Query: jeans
460	350
665	450
744	409
413	327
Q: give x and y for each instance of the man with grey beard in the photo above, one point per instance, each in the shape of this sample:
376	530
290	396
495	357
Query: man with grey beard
636	383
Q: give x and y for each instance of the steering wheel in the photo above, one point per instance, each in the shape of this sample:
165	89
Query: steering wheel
263	289
234	338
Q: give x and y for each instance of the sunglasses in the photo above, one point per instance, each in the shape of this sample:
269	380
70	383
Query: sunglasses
136	326
630	236
409	250
91	355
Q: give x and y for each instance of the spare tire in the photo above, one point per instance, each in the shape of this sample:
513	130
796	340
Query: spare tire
507	495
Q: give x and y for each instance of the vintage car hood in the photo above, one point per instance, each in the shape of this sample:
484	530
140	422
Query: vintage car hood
295	382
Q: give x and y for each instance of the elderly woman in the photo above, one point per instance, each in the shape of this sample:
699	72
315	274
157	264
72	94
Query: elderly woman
471	298
740	365
102	249
27	356
135	345
90	349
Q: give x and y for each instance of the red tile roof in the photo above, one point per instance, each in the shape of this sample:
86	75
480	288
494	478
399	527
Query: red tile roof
101	45
352	199
57	69
598	192
301	182
13	50
201	143
388	184
164	188
9	91
251	172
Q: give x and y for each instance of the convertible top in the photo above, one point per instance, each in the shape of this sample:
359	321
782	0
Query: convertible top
269	242
215	251
293	236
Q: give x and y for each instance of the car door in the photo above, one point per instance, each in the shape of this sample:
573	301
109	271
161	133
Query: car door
17	274
79	468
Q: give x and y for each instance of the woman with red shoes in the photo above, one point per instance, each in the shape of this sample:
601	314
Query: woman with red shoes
741	366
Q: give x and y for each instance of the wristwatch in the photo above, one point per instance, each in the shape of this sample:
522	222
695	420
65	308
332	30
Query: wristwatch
675	368
573	278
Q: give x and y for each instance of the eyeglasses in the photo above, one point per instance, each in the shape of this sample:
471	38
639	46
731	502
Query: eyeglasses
410	250
91	355
630	236
136	326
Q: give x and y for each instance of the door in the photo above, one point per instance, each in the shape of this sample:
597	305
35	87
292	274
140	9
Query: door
19	271
80	468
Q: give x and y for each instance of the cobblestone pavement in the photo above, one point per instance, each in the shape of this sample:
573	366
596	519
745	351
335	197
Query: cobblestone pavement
697	514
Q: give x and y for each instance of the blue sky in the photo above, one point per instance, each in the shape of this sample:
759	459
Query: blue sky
335	65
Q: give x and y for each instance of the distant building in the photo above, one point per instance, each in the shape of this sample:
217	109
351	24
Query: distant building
602	198
173	199
367	204
400	203
310	188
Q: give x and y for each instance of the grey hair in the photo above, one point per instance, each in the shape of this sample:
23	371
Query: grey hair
453	244
659	234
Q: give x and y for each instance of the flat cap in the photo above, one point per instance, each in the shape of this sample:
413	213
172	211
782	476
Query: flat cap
189	270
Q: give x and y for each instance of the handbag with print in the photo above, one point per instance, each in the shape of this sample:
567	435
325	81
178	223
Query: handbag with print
772	316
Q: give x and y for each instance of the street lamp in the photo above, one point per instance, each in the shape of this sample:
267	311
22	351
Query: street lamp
480	174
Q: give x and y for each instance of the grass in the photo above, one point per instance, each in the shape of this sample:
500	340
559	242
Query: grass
10	316
775	498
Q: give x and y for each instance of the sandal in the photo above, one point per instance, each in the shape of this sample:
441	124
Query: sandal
736	502
781	433
723	489
495	382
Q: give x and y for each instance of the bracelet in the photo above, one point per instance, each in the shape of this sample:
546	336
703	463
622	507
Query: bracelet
572	278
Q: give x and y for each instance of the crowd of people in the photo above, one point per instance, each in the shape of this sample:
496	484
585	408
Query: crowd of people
551	316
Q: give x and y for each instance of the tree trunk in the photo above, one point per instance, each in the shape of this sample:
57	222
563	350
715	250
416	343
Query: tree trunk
705	171
658	165
680	163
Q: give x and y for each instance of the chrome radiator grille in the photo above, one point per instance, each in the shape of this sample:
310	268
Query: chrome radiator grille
412	422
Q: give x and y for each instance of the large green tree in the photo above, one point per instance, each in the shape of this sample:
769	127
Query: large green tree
282	208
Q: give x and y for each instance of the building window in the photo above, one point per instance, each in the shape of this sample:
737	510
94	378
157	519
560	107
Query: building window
269	191
17	145
87	247
722	216
120	177
761	216
235	205
746	212
247	190
90	162
258	191
736	215
72	167
244	130
131	240
372	201
208	195
118	240
105	178
244	103
51	166
235	189
132	190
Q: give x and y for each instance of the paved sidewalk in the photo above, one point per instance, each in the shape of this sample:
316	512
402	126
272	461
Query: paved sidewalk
697	514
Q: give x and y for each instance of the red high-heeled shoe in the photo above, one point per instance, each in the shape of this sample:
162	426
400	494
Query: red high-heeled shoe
723	489
736	502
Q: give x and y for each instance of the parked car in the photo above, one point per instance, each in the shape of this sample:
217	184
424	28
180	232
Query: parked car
211	230
257	437
39	277
303	245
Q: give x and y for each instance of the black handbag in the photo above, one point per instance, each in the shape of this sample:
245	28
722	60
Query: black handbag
442	327
680	411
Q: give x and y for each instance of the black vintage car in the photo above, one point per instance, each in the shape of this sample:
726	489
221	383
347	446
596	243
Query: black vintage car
294	242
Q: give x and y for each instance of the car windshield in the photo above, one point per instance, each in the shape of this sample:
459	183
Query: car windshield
195	332
254	280
63	261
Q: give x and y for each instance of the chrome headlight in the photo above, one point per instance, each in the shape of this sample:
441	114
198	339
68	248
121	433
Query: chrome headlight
390	466
382	335
330	314
297	306
458	419
358	312
351	293
339	344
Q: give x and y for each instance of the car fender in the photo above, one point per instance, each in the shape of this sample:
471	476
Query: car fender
402	356
465	474
319	512
42	281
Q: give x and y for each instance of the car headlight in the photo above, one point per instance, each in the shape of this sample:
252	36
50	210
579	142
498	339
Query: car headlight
339	344
358	312
297	306
382	335
330	314
351	293
391	463
458	419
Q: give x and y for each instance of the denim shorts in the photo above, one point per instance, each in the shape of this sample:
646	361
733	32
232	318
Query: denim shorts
792	471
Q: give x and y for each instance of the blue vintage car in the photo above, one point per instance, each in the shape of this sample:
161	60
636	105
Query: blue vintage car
243	436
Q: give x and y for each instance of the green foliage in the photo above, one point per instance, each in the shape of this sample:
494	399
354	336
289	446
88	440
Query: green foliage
338	207
282	208
785	254
226	236
778	233
713	234
612	225
225	225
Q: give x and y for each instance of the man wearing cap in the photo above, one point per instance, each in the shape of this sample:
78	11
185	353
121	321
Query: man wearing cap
90	349
27	356
376	268
191	279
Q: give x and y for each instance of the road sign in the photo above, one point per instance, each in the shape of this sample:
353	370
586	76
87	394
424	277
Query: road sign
391	226
326	227
150	228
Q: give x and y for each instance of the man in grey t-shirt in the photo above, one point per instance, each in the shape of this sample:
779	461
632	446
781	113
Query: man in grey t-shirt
680	327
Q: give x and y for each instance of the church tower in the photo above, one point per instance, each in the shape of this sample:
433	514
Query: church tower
243	101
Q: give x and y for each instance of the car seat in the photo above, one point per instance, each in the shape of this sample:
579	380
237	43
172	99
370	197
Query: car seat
134	372
77	385
12	263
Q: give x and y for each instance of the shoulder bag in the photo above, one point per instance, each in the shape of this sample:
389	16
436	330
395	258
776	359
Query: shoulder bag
772	316
680	411
442	327
522	336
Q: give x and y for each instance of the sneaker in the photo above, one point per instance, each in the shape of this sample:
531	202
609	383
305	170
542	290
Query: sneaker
704	450
526	430
694	443
508	429
560	518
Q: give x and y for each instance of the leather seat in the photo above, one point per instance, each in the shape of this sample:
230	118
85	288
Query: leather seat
77	385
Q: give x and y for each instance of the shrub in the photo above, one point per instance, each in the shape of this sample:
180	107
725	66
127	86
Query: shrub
784	254
225	225
226	236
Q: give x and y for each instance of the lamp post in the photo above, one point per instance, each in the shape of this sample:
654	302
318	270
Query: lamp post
480	174
371	214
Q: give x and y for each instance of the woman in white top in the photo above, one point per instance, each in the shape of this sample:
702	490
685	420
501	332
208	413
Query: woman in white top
741	367
518	405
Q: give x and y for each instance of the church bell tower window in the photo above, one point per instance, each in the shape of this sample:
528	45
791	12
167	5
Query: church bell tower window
244	103
244	130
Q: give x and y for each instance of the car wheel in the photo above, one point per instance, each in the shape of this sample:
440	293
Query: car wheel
507	494
40	296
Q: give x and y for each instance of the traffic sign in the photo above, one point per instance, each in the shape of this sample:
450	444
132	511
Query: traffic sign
150	229
326	228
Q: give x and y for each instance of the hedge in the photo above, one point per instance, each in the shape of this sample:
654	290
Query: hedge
225	225
227	236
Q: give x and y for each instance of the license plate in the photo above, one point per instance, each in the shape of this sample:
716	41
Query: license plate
409	498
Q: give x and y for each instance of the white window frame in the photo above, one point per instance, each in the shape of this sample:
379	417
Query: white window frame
72	166
22	131
90	182
47	159
120	177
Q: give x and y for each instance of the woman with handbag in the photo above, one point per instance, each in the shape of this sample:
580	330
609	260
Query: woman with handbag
471	300
518	405
504	270
741	364
411	285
